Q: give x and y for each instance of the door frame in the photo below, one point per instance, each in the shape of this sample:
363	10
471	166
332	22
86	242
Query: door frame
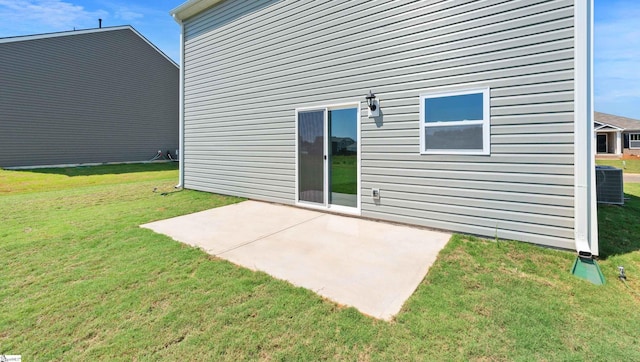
326	206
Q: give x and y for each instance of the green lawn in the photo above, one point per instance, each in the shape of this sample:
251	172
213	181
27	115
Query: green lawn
630	166
81	281
344	174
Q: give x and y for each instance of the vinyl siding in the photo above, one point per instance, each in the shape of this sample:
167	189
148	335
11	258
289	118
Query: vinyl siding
249	65
96	97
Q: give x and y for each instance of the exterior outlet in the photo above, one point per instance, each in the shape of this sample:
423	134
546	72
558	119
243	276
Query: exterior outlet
375	194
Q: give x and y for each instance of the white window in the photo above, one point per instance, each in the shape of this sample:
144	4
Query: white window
455	122
634	140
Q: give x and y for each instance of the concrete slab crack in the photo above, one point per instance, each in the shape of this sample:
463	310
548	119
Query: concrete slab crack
266	236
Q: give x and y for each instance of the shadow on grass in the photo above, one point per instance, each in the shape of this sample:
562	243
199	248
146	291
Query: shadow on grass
619	227
105	169
167	193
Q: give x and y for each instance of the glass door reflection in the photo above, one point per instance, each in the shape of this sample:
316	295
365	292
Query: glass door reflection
343	157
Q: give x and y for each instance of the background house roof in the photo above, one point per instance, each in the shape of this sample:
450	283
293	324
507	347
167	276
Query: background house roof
625	123
14	39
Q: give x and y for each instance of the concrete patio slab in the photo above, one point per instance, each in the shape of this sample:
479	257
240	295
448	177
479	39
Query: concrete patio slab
370	265
224	228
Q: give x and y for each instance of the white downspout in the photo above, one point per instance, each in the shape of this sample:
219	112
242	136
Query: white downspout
585	207
593	226
181	109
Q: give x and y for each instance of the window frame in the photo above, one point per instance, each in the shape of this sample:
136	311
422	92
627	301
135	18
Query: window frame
631	134
485	122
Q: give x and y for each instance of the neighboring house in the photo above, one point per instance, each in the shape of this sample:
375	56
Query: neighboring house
616	135
87	96
342	145
485	113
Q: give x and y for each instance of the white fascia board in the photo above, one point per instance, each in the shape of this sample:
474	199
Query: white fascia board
191	8
605	125
585	207
16	39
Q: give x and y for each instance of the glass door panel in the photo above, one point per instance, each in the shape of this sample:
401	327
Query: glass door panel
311	156
343	157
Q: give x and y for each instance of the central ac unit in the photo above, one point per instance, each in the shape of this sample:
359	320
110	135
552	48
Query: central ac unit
609	185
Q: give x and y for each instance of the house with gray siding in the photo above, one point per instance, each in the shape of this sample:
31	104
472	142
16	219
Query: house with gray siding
87	96
616	135
469	116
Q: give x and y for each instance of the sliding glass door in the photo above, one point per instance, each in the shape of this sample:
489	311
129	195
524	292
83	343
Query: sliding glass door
328	157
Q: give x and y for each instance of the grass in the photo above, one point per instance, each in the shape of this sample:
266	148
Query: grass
344	174
81	281
630	166
619	228
51	179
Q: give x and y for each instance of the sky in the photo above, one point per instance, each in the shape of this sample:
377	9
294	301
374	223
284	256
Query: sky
150	17
617	57
616	36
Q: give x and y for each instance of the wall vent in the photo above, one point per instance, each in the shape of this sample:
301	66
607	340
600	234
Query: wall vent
609	185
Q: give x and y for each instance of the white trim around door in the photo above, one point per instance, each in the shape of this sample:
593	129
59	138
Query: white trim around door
325	195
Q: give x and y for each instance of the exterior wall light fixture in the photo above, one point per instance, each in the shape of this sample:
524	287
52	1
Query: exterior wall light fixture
373	105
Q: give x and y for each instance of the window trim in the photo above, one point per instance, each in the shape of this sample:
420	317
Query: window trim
630	140
486	122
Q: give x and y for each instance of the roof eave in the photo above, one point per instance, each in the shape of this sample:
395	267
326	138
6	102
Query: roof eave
191	8
604	125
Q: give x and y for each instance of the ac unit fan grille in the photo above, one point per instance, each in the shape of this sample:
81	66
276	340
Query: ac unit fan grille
609	185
